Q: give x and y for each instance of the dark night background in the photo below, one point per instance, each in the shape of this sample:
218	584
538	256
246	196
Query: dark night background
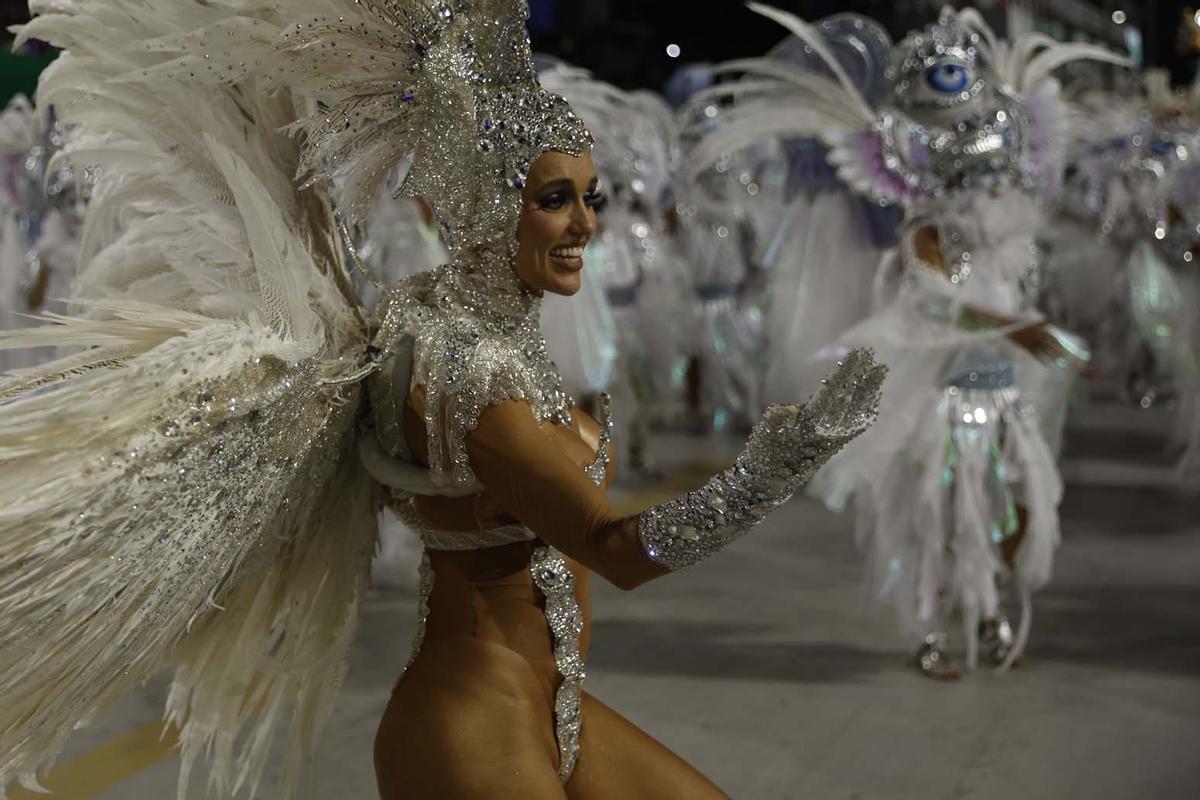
625	41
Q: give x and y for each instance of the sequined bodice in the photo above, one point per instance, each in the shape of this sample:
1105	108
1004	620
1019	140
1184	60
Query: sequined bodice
471	343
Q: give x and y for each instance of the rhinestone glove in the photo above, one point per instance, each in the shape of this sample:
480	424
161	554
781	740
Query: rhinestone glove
785	450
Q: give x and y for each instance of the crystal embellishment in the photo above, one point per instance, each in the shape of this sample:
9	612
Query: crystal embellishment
785	450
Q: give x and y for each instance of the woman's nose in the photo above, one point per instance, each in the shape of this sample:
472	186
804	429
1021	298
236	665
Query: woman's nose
583	221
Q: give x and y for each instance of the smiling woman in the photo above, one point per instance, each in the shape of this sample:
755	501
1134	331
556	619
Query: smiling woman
299	414
558	218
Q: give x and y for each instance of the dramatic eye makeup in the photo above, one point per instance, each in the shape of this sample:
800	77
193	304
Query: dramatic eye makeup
557	195
595	198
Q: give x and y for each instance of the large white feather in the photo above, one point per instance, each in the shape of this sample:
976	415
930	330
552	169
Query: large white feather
813	38
776	99
1026	62
183	489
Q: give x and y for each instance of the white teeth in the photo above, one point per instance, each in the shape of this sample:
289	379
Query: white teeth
567	252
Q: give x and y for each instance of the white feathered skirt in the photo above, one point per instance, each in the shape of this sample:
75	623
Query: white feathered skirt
955	463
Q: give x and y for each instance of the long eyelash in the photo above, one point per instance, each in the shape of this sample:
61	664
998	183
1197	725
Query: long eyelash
595	199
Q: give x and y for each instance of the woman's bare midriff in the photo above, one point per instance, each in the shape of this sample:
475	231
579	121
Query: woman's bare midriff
489	595
478	700
477	703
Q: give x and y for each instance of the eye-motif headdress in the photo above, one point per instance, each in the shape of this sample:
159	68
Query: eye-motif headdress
950	119
961	106
938	68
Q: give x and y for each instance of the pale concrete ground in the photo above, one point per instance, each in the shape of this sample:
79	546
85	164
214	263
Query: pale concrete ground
768	668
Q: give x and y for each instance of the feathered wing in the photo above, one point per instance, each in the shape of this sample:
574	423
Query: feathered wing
164	225
775	100
779	97
181	488
212	517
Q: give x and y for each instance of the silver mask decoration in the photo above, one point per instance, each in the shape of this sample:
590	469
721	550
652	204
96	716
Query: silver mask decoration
949	122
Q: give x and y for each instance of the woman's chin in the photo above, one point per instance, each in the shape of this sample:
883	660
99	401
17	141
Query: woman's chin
565	285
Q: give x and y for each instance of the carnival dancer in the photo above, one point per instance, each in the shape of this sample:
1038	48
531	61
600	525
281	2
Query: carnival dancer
955	489
197	486
41	212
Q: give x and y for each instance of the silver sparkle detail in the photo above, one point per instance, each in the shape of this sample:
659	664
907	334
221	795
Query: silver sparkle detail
425	579
557	584
785	450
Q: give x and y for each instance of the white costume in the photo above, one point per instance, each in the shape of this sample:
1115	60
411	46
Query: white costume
41	211
1136	182
970	132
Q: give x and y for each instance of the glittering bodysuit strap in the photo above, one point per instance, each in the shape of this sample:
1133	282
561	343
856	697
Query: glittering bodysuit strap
557	584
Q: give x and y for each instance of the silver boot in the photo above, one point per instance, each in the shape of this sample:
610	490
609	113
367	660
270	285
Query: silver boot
932	661
996	639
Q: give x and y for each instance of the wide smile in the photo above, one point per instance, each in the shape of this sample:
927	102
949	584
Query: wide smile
568	258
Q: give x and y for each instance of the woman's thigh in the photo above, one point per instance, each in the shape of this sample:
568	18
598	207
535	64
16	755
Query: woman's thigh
619	761
469	721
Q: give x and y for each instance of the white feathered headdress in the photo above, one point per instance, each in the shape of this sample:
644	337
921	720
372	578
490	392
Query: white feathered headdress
444	88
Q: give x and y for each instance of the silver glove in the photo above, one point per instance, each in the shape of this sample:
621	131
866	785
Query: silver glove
785	450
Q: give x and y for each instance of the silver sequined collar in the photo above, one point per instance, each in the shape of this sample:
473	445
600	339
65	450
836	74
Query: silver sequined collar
486	286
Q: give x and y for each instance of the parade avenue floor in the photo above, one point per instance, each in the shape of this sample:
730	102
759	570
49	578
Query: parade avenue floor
770	669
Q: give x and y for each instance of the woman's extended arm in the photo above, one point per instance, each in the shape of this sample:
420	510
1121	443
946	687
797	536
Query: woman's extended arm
534	481
1036	336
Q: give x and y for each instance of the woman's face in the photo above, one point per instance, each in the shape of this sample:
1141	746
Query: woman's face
558	217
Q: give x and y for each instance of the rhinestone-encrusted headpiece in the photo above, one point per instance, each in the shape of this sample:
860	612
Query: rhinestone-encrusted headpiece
446	89
949	121
948	47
